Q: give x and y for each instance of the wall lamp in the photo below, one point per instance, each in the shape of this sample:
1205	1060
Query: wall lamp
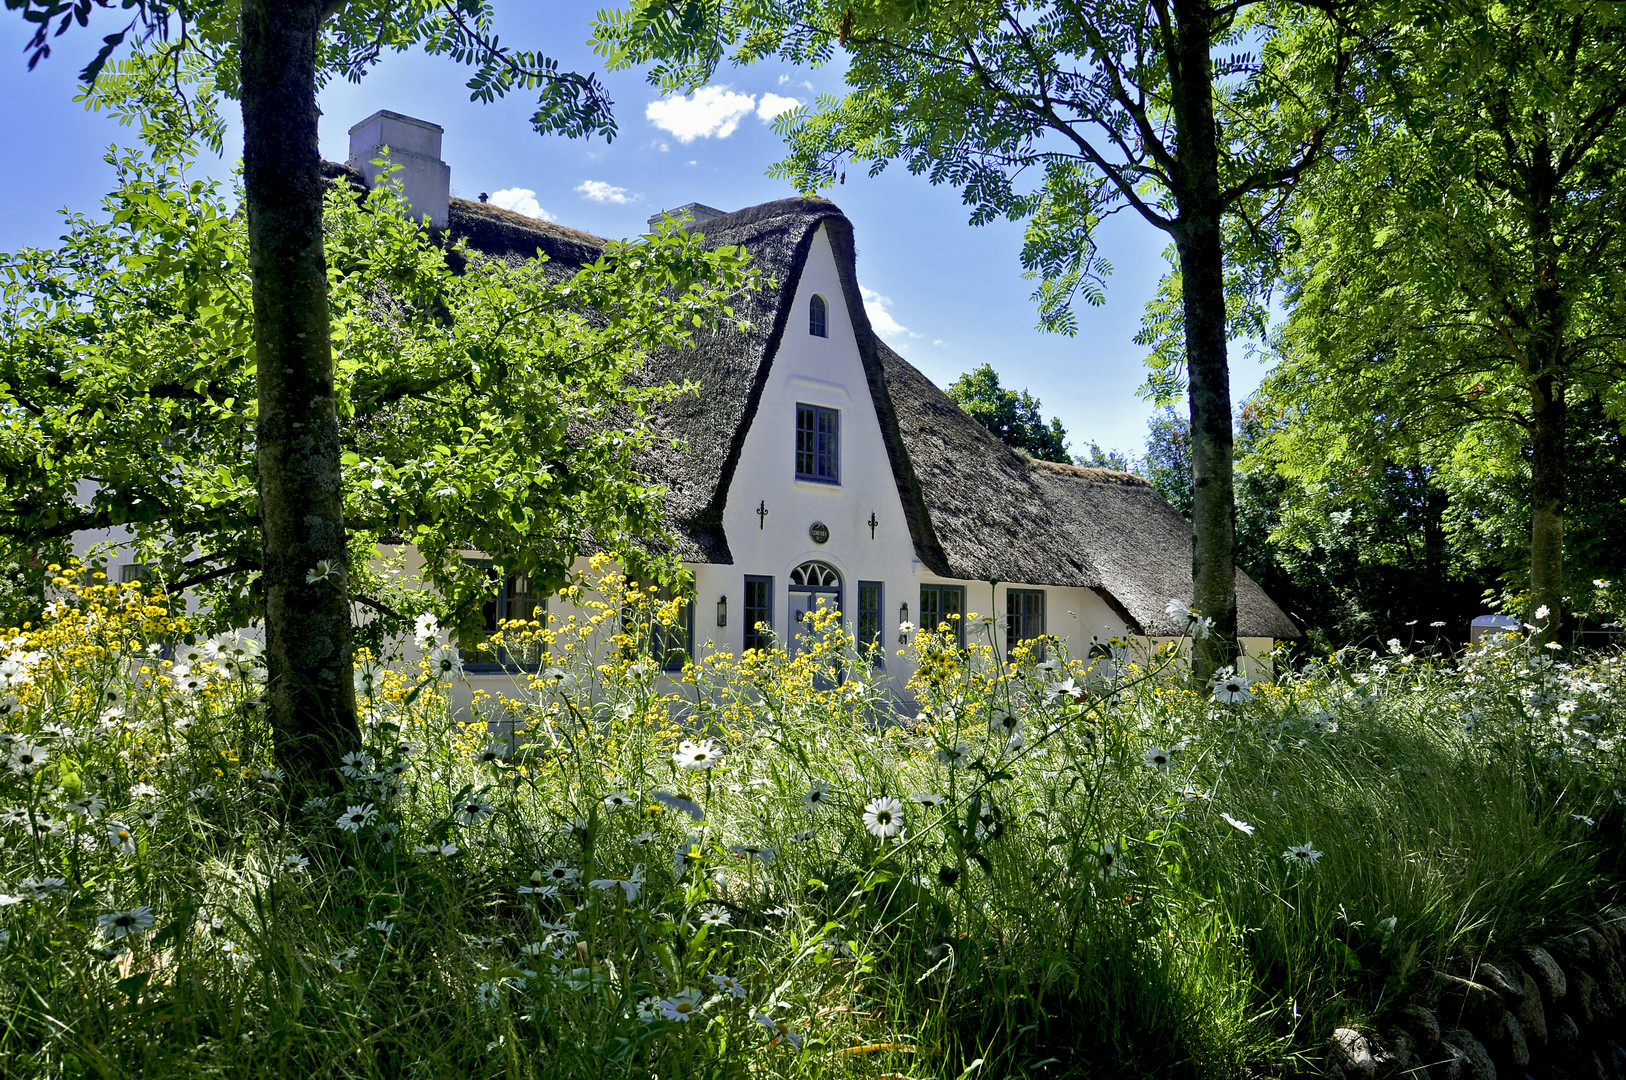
903	619
722	611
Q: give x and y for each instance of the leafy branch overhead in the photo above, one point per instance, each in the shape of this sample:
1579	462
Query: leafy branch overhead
501	407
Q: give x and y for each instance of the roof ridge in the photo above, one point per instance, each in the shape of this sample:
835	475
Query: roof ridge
1089	472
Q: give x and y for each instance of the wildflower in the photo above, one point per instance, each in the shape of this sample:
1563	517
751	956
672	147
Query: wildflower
1542	612
1109	860
119	837
473	811
488	994
239	958
293	864
687	852
356	764
728	984
493	753
1437	624
201	793
816	797
1006	719
1238	824
119	924
953	755
187	679
355	817
780	1030
143	791
678	802
1231	688
13	816
697	755
1177	608
631	884
446	662
906	627
990	823
1583	818
1553	645
929	801
1302	855
644	839
1158	757
425	629
86	806
715	915
27	759
560	873
764	855
883	816
682	1005
324	570
616	801
383	926
802	837
339	959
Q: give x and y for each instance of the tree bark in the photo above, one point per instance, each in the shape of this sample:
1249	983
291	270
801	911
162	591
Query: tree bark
1202	272
1548	475
310	693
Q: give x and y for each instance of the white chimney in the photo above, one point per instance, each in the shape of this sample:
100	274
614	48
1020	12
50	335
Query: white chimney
698	211
415	146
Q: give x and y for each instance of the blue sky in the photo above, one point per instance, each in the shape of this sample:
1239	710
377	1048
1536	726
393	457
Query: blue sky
945	294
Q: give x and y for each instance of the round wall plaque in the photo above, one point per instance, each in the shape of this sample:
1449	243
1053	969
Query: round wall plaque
820	532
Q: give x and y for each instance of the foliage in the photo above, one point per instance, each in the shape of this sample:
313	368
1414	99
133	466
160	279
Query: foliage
499	406
614	874
1011	415
1460	280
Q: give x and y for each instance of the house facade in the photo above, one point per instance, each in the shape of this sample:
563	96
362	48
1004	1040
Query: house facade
817	465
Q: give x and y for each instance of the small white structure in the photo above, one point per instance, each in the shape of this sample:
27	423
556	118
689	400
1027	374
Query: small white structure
1488	626
412	144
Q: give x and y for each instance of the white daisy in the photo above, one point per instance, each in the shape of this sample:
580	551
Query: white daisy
356	817
715	915
1302	855
560	873
802	837
1158	757
119	837
953	755
27	759
697	755
817	797
293	863
324	570
729	985
1109	860
86	806
929	800
764	855
1238	824
472	811
631	884
617	801
683	1005
445	661
119	924
1231	688
883	816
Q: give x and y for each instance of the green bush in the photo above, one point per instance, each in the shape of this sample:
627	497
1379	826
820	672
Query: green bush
1039	868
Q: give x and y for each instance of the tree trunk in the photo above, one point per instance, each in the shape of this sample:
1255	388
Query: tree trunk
311	696
1548	476
1202	272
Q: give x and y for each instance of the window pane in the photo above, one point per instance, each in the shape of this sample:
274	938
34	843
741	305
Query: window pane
758	609
828	444
806	439
869	617
1024	616
816	312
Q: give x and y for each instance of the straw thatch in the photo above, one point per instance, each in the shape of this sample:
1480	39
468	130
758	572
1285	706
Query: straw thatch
977	509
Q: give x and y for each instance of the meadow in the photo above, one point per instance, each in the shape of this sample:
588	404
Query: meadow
1045	866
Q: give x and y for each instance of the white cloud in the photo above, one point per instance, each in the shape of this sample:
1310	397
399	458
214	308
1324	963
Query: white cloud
784	80
709	111
773	105
521	201
939	341
601	192
875	306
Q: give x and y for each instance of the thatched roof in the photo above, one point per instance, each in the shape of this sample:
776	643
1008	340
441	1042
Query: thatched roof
976	508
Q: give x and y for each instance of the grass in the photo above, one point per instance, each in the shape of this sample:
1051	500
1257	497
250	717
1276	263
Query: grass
1106	895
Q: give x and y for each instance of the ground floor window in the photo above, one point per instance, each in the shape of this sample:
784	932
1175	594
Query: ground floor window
1024	616
672	645
871	599
758	612
513	598
943	603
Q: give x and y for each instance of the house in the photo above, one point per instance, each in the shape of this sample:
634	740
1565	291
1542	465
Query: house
816	464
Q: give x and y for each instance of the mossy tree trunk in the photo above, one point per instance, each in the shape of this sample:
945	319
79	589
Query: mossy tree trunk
1202	270
310	693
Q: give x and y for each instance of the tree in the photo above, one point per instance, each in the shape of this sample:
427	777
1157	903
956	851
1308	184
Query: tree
1461	282
1012	415
271	55
1175	109
499	406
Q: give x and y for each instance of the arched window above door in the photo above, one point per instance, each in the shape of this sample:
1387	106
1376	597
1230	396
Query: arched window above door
815	575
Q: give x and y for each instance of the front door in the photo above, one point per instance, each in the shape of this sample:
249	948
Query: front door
812	585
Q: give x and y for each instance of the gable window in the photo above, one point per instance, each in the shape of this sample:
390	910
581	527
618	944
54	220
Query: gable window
1024	616
871	600
758	610
818	316
818	444
513	598
938	603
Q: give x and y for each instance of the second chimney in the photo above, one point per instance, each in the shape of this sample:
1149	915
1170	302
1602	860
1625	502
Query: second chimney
415	146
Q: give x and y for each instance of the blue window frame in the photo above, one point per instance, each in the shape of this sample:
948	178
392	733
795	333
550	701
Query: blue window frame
1024	616
671	646
938	603
758	610
818	316
871	602
818	444
512	597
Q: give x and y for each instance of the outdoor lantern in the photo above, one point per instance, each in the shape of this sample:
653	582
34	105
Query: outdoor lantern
903	617
722	611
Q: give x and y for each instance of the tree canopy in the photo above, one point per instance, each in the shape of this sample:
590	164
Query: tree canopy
1013	415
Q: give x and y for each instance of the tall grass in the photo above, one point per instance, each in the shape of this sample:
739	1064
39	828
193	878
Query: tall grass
1089	878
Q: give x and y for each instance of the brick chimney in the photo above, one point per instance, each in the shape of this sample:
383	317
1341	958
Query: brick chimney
415	146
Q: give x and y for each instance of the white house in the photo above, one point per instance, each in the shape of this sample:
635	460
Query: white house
818	463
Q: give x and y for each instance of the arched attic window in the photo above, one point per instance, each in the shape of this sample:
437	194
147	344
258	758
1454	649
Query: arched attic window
817	316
